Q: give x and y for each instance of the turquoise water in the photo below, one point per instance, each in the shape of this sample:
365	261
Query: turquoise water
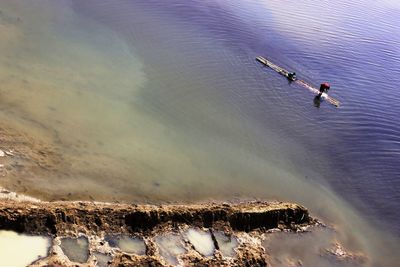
147	101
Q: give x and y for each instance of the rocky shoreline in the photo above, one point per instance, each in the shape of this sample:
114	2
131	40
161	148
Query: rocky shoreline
209	234
62	217
247	221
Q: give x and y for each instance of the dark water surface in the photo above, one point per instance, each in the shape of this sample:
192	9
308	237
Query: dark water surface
160	101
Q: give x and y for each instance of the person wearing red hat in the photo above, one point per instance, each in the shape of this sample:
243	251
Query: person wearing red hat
324	88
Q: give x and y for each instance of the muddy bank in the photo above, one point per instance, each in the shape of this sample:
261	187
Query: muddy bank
61	217
194	226
209	234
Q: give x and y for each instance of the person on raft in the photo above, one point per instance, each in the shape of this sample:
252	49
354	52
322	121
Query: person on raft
324	88
291	76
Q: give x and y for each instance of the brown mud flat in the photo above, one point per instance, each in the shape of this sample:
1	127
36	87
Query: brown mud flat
245	222
24	157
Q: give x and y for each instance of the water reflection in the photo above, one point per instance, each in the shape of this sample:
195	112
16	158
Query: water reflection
76	249
170	247
226	243
201	241
127	244
21	250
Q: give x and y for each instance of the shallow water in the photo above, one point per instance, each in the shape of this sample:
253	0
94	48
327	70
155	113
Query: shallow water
201	240
20	250
306	248
152	102
127	244
226	243
102	259
170	247
76	249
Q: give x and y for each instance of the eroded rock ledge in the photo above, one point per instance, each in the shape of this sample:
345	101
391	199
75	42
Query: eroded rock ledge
61	217
246	222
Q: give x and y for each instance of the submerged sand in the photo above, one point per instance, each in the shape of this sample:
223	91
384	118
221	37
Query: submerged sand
23	208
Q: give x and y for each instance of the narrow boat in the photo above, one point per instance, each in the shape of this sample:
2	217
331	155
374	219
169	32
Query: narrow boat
292	78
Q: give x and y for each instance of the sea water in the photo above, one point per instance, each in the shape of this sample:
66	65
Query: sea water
143	101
